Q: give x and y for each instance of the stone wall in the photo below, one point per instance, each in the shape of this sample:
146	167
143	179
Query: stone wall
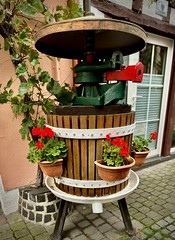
38	205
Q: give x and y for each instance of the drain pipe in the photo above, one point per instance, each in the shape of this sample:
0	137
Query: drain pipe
87	8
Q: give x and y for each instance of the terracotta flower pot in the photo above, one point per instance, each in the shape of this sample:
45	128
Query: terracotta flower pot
139	157
52	170
110	173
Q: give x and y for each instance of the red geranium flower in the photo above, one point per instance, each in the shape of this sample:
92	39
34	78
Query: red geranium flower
154	135
124	152
47	132
36	131
39	145
108	137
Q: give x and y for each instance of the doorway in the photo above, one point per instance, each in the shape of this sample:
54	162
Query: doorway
149	98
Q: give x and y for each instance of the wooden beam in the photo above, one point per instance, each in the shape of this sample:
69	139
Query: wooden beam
170	115
148	23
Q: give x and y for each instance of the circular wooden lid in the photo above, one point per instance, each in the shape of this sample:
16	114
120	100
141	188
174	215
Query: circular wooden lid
67	39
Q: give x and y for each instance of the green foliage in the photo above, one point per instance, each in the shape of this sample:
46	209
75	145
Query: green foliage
72	10
46	147
37	91
31	7
140	144
115	152
52	151
111	155
63	94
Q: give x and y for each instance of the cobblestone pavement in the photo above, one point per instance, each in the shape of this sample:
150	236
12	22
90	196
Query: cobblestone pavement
151	206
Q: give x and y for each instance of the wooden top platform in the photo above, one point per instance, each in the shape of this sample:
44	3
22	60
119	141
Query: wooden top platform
67	39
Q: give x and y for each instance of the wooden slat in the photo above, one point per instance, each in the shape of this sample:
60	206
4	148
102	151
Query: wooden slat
91	153
69	166
100	124
76	154
84	152
108	124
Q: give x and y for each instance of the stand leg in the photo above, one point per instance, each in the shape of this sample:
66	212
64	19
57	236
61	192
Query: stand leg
126	217
62	213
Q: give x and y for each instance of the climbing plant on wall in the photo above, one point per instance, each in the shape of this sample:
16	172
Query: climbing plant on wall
19	21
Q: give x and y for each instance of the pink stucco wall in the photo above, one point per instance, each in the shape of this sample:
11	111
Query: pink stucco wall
15	169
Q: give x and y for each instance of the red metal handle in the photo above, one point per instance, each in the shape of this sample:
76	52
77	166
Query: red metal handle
132	73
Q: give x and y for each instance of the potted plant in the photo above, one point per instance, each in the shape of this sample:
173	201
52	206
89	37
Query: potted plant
116	161
47	151
140	149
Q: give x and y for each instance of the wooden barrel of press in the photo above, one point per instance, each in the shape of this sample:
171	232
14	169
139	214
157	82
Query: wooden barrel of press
82	153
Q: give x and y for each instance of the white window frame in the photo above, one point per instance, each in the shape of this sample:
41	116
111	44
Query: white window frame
132	87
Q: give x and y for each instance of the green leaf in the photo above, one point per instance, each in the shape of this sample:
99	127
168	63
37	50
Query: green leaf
4	97
24	131
17	109
23	88
34	62
47	106
14	100
42	122
27	124
33	56
6	44
21	69
9	84
44	77
2	16
31	7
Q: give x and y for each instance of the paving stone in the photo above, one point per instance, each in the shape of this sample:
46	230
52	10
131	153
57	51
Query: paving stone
169	219
74	233
162	223
115	235
112	220
97	236
156	227
27	237
106	214
18	226
170	206
98	221
43	236
139	216
171	227
104	228
4	227
6	235
14	217
173	235
158	235
83	224
81	237
165	232
148	231
91	216
21	233
89	230
37	230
